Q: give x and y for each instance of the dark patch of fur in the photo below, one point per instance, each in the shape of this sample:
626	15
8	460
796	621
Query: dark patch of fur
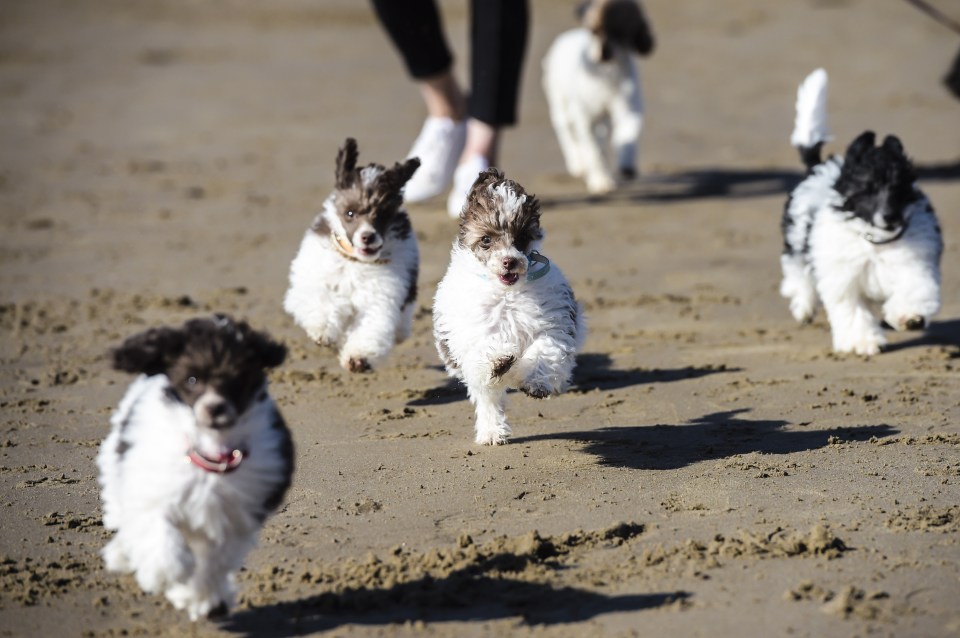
481	216
618	24
275	498
218	352
411	287
574	311
877	179
400	227
624	24
786	224
502	366
810	155
320	226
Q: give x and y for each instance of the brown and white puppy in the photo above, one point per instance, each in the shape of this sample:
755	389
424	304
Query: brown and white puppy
503	313
197	457
593	90
353	283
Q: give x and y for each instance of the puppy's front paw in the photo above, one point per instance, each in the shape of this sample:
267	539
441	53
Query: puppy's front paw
535	390
321	337
115	558
802	310
600	183
908	322
501	366
863	345
357	364
915	323
493	436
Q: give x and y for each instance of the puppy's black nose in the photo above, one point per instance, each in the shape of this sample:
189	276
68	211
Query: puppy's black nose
509	263
368	238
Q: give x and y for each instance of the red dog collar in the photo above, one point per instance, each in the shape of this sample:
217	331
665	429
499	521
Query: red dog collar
223	464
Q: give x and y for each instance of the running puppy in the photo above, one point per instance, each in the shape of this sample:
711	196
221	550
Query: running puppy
197	457
593	89
353	283
503	313
857	233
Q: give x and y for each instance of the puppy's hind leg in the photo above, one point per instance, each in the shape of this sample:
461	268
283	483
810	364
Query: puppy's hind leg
627	123
799	287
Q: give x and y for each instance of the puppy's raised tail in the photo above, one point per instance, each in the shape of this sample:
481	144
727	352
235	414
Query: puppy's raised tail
810	127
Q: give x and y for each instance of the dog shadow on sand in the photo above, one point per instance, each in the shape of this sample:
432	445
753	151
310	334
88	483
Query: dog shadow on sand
465	595
713	436
594	371
703	183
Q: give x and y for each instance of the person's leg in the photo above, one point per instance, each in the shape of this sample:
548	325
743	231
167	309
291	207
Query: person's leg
498	40
414	28
498	37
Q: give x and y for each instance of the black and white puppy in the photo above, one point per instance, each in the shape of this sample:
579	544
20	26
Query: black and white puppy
353	283
593	89
503	313
197	457
857	233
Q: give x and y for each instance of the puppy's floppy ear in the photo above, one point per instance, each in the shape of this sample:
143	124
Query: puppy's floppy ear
643	36
892	144
859	147
272	353
346	163
269	353
395	178
149	352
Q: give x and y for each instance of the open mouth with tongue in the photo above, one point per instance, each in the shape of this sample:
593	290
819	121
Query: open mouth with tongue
509	278
369	252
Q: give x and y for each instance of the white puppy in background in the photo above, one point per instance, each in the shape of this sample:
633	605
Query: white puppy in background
503	313
353	283
593	90
197	457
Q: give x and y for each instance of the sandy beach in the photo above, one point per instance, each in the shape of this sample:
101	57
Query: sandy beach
715	470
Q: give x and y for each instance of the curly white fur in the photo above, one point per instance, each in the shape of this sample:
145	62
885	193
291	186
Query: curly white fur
181	530
849	270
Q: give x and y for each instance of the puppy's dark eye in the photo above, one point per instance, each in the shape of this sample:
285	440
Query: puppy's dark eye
351	214
192	381
485	241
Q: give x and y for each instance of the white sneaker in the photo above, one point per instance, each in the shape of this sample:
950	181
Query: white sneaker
463	179
438	146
